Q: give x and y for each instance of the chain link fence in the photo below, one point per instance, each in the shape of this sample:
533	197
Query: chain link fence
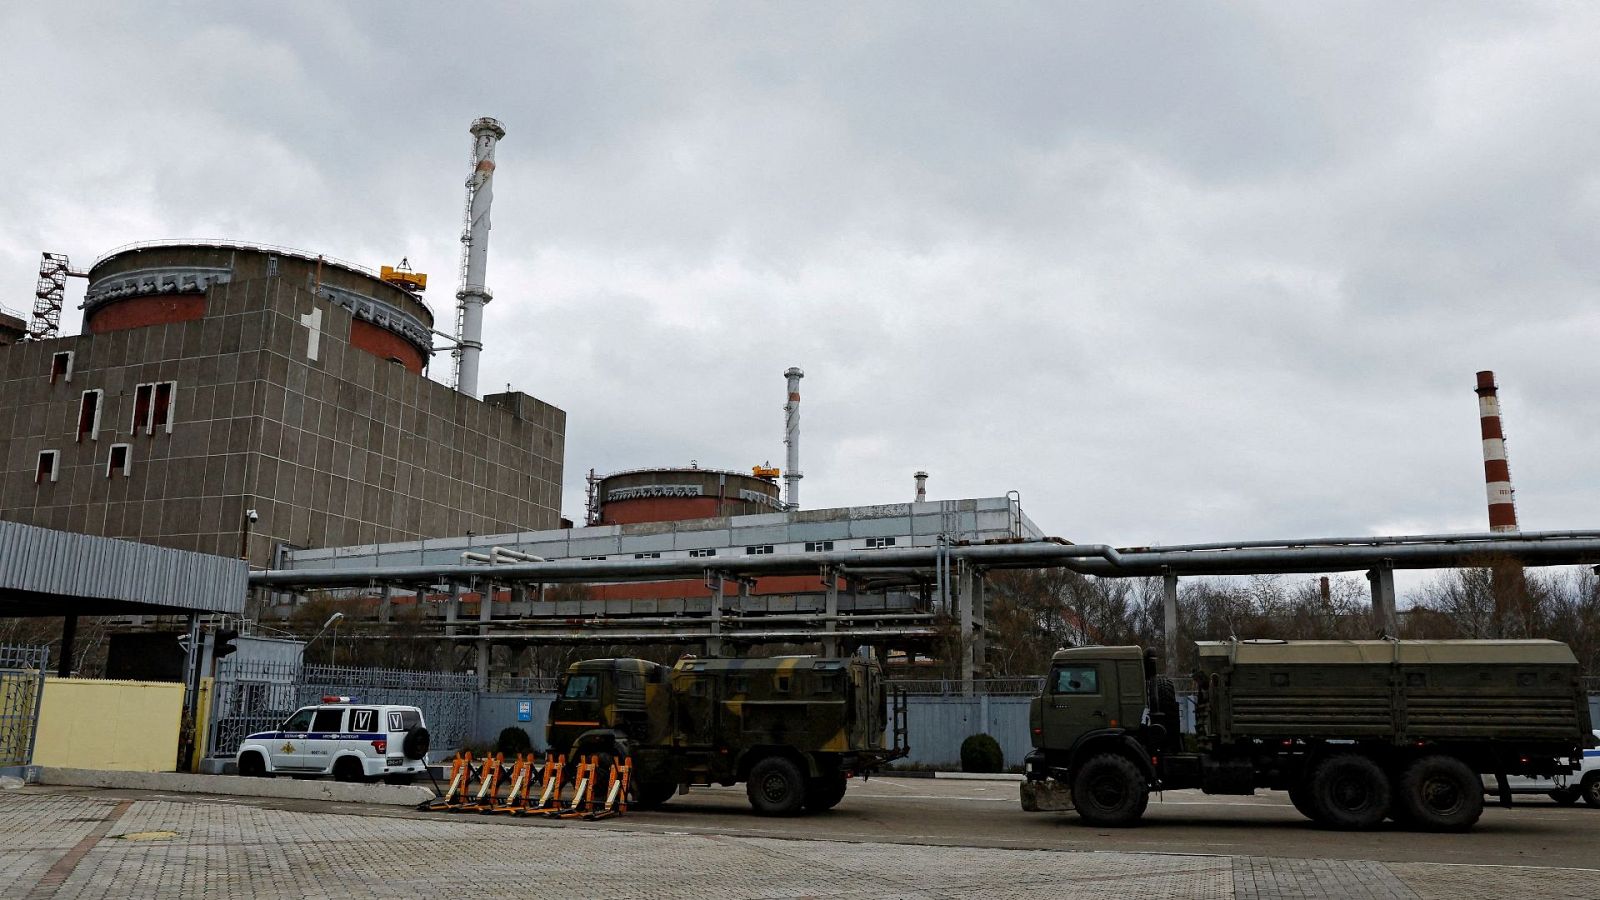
22	671
257	695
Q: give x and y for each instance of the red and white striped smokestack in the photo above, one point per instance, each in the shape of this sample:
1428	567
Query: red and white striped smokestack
922	486
1496	472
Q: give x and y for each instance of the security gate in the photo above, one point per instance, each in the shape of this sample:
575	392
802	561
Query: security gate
256	695
22	671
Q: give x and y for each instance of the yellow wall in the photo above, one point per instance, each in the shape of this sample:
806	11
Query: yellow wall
131	726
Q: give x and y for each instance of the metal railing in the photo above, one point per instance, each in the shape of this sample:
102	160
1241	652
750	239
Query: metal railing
955	687
22	672
523	684
257	695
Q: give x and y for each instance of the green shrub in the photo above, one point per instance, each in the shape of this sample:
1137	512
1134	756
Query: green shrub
513	740
981	753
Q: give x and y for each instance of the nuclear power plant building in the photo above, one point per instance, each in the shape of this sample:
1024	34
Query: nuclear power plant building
234	399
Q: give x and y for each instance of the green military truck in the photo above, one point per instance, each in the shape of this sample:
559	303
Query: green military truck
793	729
1355	731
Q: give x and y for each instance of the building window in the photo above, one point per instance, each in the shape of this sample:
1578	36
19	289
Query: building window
758	550
272	266
591	557
89	415
647	556
61	367
879	543
818	546
710	551
49	467
152	406
120	461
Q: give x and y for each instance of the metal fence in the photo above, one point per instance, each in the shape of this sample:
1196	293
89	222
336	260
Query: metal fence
22	671
257	695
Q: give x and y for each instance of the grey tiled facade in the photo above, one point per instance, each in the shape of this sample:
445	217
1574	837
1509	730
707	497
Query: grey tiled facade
344	448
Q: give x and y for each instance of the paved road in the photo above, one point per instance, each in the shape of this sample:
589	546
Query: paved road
889	838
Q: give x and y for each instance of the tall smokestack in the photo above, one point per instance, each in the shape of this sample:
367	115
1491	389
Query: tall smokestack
472	296
1496	472
791	438
922	486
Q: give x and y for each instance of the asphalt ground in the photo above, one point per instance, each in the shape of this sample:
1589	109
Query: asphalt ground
946	832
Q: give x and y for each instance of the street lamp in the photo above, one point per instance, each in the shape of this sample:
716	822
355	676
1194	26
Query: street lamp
331	619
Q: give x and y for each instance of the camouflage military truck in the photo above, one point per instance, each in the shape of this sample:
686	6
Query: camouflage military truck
792	728
1355	731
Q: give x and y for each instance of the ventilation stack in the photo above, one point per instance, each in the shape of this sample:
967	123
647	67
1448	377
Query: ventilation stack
922	486
472	296
791	438
1496	471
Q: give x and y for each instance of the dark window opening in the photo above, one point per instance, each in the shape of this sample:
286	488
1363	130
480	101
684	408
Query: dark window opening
782	684
707	552
47	467
161	410
818	546
879	543
61	367
300	721
1079	680
581	687
89	416
647	556
141	407
758	550
328	720
118	464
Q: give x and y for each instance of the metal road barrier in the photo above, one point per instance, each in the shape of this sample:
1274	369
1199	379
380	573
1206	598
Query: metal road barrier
22	672
599	787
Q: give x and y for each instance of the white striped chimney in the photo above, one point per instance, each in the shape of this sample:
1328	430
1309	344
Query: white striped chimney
486	132
922	486
791	437
1496	471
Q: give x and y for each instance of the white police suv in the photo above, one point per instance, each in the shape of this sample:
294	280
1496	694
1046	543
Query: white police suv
1584	784
342	737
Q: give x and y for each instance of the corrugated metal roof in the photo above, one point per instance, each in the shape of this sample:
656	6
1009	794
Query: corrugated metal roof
44	561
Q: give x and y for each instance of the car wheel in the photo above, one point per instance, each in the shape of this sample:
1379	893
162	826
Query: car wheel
1349	791
776	787
1591	790
349	769
1441	793
1567	796
415	743
251	765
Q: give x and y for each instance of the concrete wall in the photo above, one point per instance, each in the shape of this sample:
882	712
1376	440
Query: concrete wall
123	725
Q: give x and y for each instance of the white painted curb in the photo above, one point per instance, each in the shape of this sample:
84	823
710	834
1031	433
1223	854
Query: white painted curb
235	786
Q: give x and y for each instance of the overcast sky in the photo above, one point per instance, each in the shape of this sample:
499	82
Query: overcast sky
1174	272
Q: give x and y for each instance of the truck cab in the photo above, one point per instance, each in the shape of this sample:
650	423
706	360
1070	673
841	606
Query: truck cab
599	700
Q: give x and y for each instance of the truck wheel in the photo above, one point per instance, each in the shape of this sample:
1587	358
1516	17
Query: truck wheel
776	787
653	794
1110	791
251	765
1441	793
824	793
1300	796
1349	791
1591	791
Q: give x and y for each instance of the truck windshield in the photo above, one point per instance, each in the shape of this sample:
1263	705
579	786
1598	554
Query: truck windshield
1079	680
581	687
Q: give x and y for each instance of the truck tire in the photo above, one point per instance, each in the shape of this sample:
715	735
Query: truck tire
1591	790
653	794
1300	796
1110	791
823	794
1349	791
1441	793
776	787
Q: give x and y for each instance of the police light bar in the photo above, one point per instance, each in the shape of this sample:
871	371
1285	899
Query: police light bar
333	699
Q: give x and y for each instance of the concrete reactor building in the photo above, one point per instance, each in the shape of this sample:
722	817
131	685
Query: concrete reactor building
240	399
